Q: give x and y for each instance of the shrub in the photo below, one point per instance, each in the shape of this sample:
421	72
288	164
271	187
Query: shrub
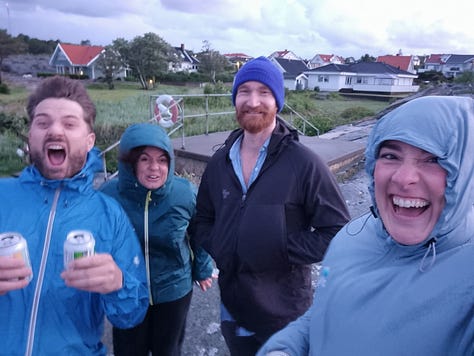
356	113
4	89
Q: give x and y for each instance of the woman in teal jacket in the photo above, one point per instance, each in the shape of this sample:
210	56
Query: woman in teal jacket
160	206
400	280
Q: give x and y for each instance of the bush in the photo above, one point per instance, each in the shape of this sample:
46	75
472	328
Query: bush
11	161
4	89
466	77
356	113
17	125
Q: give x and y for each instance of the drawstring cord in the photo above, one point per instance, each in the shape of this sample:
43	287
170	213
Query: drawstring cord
147	249
431	248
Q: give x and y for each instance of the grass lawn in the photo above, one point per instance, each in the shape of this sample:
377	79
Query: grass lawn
128	104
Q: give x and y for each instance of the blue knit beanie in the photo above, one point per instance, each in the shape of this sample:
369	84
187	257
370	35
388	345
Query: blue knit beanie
264	71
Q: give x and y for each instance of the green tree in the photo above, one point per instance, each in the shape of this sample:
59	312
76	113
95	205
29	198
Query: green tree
110	63
8	46
367	58
36	46
148	55
211	62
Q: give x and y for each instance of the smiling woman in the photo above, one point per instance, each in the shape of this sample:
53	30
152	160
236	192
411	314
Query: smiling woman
409	191
160	206
399	280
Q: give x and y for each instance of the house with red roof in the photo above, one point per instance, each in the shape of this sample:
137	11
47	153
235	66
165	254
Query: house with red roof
286	54
76	59
237	59
320	60
405	63
450	65
434	62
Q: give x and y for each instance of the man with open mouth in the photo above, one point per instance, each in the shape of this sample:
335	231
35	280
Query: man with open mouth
51	307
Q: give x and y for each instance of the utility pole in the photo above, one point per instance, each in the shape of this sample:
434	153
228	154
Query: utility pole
9	28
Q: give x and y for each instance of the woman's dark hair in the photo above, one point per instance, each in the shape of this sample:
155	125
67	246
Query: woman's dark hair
132	156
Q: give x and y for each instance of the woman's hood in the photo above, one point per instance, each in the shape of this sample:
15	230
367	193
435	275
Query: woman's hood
443	126
144	134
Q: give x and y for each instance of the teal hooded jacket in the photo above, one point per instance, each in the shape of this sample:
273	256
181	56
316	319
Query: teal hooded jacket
378	297
173	265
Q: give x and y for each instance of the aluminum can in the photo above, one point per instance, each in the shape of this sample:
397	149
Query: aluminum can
14	244
79	243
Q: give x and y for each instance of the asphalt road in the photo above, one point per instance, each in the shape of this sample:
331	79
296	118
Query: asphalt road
203	337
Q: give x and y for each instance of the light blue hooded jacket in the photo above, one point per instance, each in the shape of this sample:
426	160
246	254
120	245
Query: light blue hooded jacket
168	211
378	297
68	321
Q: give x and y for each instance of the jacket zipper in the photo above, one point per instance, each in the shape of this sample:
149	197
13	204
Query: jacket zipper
39	284
147	249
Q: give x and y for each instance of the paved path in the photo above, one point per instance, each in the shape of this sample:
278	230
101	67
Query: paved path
339	148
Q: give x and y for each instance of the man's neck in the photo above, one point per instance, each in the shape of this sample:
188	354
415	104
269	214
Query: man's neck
254	141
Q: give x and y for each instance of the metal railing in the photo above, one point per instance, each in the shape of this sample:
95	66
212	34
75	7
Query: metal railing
291	117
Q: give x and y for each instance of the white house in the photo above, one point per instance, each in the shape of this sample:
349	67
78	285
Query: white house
455	64
186	62
293	72
320	60
363	77
286	54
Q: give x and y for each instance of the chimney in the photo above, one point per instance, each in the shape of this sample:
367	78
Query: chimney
182	46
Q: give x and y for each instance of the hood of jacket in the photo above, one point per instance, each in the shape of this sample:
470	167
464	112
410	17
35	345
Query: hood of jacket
137	135
81	181
443	126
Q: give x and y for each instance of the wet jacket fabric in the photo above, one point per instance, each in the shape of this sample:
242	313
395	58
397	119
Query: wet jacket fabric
263	242
68	321
378	297
173	265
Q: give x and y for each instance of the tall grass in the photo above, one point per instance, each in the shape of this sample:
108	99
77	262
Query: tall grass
128	104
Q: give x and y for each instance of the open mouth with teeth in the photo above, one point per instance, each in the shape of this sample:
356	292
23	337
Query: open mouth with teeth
409	207
56	154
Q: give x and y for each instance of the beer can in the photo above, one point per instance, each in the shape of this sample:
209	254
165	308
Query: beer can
14	244
79	243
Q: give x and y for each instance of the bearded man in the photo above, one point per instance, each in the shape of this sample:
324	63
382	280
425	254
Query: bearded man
267	208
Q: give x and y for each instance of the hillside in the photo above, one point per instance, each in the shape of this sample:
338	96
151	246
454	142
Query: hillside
27	64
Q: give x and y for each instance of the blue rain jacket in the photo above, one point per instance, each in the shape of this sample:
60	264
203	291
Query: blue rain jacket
378	297
168	210
68	321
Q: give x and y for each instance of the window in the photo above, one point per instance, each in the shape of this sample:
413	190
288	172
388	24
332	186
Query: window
323	79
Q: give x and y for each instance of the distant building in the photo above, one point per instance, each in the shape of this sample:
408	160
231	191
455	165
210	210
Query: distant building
405	63
320	60
456	64
76	59
237	59
286	54
362	77
186	61
293	72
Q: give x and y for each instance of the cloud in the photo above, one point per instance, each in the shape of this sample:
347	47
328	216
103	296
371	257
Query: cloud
255	27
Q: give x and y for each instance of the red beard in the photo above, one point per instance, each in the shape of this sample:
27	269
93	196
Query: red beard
255	120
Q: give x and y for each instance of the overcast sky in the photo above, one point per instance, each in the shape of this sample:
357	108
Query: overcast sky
255	27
